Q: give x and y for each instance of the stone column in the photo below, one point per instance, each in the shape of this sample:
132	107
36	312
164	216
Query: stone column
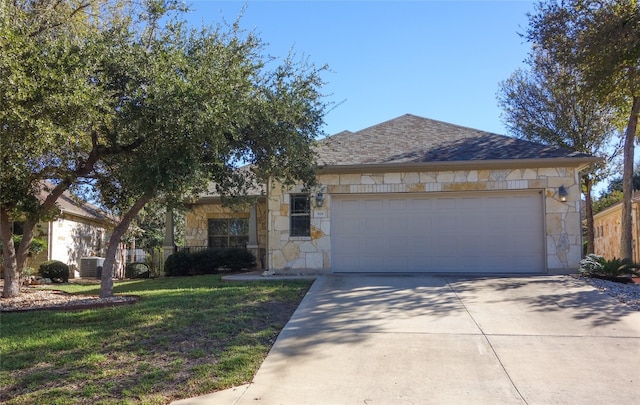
168	246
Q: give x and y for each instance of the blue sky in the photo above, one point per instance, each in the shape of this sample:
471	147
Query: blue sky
437	59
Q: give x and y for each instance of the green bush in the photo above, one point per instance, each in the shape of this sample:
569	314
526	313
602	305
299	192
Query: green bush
177	264
55	270
238	258
597	266
137	270
208	261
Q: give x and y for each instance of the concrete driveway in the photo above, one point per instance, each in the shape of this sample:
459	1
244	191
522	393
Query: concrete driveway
450	340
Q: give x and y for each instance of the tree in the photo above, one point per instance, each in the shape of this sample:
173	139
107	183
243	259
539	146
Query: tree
148	227
601	40
50	112
616	183
546	104
210	104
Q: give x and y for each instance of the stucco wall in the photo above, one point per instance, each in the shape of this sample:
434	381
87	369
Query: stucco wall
562	219
70	238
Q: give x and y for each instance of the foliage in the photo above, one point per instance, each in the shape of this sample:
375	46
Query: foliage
184	337
148	228
606	201
594	265
137	270
616	183
120	95
55	270
548	104
208	261
178	264
238	258
579	34
36	246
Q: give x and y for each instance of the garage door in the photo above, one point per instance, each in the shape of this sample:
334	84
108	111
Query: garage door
451	232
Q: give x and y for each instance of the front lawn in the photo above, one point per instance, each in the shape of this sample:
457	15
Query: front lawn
185	336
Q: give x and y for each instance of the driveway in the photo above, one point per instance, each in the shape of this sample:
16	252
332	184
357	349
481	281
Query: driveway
420	339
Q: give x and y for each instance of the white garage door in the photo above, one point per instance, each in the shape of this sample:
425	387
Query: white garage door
487	232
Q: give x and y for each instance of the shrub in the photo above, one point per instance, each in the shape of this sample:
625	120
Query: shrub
55	270
597	266
137	270
177	264
238	258
208	261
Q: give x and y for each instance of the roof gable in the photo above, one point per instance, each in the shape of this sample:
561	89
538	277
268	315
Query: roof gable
413	139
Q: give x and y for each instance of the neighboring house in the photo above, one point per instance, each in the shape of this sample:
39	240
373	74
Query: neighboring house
81	230
413	195
606	227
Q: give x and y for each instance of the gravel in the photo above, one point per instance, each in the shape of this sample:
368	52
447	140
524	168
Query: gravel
626	293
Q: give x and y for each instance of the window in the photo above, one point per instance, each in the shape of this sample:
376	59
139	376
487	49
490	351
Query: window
300	222
228	232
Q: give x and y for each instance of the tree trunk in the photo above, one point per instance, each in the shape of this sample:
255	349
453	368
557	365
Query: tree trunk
627	181
106	280
11	278
588	206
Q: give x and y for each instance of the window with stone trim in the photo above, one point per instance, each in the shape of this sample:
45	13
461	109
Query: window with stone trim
300	215
228	232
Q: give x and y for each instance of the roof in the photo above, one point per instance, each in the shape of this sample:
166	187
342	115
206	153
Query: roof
69	204
413	139
635	199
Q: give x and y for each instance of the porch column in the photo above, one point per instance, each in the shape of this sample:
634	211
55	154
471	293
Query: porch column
168	246
252	244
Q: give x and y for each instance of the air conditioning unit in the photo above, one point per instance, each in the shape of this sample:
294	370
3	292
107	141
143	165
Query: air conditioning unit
91	267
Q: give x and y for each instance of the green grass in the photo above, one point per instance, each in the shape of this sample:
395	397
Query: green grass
185	336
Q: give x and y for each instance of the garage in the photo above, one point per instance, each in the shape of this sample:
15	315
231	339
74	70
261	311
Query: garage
477	232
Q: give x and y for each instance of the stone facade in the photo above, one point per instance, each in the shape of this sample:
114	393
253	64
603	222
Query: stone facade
196	221
607	231
313	253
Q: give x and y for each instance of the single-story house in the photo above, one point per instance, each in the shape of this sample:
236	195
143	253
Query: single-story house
413	195
80	230
607	232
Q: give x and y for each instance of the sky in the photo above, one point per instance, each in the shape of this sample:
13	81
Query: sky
436	59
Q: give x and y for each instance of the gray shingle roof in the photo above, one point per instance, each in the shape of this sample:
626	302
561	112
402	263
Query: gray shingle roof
413	139
67	203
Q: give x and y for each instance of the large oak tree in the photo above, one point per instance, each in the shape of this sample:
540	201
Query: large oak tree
152	109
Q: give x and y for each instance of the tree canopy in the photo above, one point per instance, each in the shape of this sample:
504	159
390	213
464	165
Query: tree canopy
545	104
600	41
162	110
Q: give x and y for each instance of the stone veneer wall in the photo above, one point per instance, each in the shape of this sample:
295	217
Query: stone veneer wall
196	221
608	232
313	254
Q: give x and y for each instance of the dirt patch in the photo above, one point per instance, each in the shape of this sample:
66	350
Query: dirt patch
38	298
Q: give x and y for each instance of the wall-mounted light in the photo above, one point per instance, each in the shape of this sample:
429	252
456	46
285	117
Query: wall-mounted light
563	193
319	199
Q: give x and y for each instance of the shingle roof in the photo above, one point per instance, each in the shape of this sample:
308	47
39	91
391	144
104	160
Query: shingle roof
67	203
413	139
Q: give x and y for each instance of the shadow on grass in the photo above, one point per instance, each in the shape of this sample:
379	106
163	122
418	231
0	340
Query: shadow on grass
185	336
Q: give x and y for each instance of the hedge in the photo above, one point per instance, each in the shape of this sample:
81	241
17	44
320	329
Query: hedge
209	261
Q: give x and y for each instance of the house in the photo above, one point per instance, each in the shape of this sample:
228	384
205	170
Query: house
413	195
80	230
607	232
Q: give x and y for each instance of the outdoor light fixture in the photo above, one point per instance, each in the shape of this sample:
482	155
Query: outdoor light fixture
562	192
319	199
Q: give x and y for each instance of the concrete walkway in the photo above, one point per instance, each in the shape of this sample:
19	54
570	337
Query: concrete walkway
450	340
